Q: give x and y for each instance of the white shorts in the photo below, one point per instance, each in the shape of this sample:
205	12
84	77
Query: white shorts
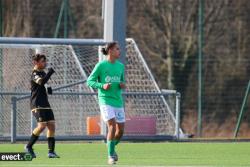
109	112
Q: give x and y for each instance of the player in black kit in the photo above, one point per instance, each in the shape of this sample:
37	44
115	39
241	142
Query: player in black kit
40	106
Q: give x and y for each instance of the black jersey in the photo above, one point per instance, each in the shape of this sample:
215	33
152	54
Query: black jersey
39	97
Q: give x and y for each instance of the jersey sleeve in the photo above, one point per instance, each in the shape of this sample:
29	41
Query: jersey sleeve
37	78
42	78
92	80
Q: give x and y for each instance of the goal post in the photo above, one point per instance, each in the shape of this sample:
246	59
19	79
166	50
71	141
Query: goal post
150	112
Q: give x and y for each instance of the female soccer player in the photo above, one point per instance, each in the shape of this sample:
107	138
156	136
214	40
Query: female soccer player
40	106
108	78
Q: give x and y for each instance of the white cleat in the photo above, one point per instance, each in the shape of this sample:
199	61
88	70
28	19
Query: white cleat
111	160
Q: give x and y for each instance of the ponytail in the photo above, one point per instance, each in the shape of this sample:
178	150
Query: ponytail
104	51
109	46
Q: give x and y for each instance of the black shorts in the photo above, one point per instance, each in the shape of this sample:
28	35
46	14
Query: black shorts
43	115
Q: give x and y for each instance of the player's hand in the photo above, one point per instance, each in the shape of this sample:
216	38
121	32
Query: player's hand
51	70
49	90
122	86
106	86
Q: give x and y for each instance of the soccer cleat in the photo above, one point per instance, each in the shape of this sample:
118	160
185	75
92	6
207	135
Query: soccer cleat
115	156
30	151
111	160
53	155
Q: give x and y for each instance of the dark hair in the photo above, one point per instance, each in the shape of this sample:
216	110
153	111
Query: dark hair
38	57
109	46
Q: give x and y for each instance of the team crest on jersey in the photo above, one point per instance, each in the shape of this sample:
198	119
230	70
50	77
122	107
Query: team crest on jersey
112	79
107	79
36	77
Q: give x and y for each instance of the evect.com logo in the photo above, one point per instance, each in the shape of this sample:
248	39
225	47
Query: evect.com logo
18	156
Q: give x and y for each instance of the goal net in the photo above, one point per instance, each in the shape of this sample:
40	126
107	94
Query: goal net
78	114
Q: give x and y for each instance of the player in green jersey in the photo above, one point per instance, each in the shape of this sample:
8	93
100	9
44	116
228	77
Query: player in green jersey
108	78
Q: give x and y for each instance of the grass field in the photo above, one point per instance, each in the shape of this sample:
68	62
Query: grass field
137	154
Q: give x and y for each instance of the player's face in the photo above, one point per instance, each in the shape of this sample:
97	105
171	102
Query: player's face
41	64
115	51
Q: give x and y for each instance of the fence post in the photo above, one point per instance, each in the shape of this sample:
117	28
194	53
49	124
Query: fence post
13	119
177	115
242	110
200	65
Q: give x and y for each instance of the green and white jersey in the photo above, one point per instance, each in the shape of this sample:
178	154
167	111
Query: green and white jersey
107	72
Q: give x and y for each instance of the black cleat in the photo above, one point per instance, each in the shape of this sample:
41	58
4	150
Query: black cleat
30	151
53	155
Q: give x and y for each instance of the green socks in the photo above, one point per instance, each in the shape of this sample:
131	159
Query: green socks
116	142
111	147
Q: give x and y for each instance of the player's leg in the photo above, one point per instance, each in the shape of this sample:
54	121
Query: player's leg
51	134
118	135
41	125
51	139
108	116
120	123
36	133
34	137
110	140
119	132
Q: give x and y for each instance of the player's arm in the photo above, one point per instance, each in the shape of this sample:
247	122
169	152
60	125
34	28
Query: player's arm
92	80
43	80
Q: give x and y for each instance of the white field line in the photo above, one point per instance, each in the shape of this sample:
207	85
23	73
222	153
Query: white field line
48	165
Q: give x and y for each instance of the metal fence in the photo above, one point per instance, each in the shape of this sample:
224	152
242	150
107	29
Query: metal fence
22	123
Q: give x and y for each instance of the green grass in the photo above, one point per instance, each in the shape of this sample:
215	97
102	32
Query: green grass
138	154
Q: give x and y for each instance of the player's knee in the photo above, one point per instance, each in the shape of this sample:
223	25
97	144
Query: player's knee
119	132
111	128
51	127
41	129
41	126
38	130
111	123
